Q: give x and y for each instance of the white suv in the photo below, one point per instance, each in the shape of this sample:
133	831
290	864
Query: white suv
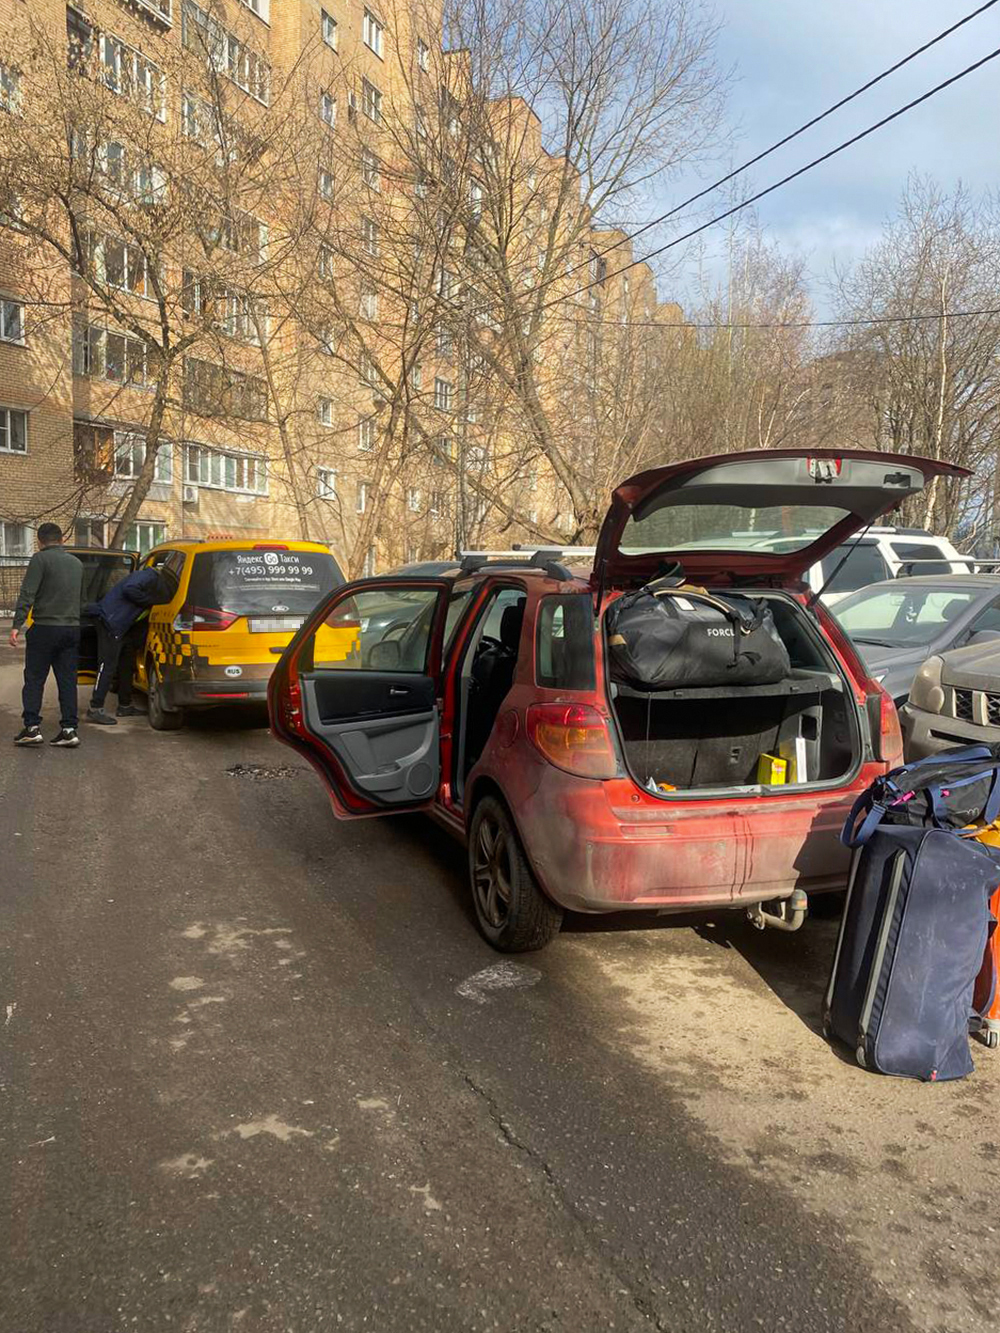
884	553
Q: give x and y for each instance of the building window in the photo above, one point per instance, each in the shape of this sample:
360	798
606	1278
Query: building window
326	262
326	483
224	52
16	539
109	355
367	435
324	411
446	284
11	321
371	169
413	500
369	303
436	503
369	372
423	55
13	431
362	500
443	394
374	33
417	377
10	89
129	73
443	446
445	342
119	264
326	184
371	101
213	390
221	470
475	199
369	236
328	109
369	569
142	537
262	8
328	27
130	454
89	531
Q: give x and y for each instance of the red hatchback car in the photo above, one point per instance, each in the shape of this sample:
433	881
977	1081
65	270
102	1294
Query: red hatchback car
486	699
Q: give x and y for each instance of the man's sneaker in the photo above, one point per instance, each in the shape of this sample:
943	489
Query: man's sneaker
100	716
128	710
29	736
67	738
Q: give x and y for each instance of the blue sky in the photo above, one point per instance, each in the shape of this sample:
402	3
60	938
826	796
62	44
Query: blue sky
792	58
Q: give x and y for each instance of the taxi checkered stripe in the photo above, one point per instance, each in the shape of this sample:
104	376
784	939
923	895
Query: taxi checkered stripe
169	646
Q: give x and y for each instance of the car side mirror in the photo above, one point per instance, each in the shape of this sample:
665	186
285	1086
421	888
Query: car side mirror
385	656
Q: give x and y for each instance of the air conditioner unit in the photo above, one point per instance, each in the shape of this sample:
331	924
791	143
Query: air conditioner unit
190	495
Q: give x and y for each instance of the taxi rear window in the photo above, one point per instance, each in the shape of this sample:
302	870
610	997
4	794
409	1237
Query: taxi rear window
262	581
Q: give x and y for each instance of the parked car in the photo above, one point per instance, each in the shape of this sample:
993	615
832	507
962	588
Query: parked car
398	609
235	609
955	700
897	624
495	710
884	553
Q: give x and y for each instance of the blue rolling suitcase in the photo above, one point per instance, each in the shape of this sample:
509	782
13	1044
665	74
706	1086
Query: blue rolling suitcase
912	938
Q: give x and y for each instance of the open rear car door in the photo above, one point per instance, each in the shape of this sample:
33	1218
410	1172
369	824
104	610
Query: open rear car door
101	571
764	515
370	723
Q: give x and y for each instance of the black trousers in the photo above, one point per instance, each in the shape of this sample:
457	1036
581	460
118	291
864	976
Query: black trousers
109	648
53	648
117	656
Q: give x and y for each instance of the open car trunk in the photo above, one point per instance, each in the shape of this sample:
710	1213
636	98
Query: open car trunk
713	737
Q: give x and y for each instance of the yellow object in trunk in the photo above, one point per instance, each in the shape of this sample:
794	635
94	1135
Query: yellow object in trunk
772	770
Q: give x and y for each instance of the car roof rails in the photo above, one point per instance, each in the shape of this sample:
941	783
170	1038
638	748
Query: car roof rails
546	558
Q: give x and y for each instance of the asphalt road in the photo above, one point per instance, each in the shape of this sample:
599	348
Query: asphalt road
259	1072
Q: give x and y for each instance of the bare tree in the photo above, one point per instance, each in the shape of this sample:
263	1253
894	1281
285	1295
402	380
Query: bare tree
929	377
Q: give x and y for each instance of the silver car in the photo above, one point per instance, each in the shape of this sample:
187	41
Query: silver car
898	624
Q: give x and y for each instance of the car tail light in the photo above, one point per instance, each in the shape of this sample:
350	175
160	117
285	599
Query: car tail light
573	737
888	738
204	618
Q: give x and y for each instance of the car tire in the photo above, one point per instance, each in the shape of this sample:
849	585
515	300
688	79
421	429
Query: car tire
512	912
160	718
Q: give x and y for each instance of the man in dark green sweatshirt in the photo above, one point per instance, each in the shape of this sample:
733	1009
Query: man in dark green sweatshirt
52	591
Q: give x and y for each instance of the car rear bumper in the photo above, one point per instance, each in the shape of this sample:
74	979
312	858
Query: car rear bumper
595	849
930	733
212	693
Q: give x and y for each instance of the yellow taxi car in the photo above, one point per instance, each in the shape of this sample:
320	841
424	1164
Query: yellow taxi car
235	609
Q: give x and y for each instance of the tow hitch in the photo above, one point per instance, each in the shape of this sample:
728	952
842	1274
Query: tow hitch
782	913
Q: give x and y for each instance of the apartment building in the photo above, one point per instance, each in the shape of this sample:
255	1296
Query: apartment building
273	260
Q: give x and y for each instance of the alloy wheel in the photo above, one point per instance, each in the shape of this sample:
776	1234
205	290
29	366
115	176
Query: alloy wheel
491	873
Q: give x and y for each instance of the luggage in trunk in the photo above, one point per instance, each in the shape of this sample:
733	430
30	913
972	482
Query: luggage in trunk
662	637
912	940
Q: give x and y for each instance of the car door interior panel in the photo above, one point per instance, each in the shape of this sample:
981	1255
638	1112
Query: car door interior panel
353	694
392	755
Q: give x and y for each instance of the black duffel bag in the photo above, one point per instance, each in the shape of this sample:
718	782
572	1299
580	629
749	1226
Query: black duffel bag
950	790
670	637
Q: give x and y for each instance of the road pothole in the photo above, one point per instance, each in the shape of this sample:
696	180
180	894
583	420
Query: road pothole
261	772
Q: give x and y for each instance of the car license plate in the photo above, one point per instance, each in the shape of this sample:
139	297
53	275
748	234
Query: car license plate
274	624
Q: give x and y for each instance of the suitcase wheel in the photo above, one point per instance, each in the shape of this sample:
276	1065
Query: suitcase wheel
991	1038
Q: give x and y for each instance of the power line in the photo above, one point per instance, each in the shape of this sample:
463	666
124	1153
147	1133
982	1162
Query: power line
738	171
782	324
793	175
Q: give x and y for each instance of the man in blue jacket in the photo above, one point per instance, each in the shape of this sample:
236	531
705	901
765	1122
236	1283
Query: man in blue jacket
116	613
